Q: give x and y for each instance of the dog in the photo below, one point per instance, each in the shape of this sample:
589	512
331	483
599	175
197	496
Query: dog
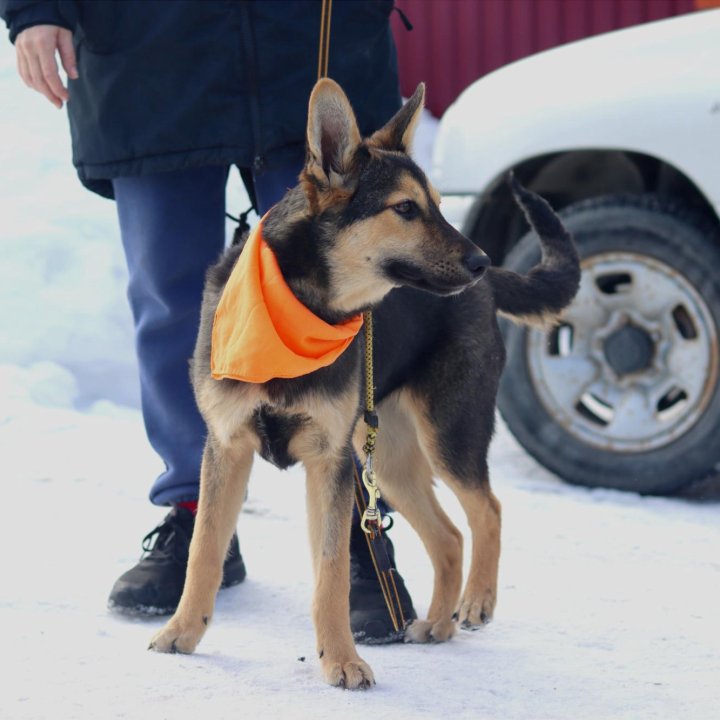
363	230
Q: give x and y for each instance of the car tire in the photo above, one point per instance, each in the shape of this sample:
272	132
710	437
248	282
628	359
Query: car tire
624	392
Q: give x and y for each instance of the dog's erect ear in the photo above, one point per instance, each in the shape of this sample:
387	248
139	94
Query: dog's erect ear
332	134
399	131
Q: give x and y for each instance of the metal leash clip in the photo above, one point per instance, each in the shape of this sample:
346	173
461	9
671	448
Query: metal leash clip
372	513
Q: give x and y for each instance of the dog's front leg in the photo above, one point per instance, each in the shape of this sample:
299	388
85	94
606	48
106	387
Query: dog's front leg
329	502
223	483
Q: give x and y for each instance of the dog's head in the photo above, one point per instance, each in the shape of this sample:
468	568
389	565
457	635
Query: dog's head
376	214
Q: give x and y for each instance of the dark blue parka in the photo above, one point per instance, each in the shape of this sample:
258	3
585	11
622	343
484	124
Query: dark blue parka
171	85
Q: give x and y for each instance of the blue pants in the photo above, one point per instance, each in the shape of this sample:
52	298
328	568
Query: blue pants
173	227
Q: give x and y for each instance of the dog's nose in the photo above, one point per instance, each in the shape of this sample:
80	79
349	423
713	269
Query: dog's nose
476	263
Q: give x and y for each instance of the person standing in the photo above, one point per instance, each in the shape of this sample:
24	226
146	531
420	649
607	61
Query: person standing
163	98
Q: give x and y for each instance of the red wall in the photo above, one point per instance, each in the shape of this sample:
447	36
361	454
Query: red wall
456	41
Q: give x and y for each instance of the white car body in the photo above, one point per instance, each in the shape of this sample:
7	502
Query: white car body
652	89
621	134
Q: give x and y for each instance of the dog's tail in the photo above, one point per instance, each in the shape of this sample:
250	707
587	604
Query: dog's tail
548	287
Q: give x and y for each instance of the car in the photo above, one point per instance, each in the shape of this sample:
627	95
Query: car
621	134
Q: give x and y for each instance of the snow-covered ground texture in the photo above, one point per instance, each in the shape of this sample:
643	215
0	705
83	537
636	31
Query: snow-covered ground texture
608	602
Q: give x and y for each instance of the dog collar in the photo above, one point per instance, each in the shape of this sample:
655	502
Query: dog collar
262	331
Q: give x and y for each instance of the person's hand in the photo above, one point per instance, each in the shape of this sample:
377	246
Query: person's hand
35	48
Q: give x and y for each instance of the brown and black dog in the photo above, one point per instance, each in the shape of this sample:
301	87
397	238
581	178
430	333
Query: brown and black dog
363	230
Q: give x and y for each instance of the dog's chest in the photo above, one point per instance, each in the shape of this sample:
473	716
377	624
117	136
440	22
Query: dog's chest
275	430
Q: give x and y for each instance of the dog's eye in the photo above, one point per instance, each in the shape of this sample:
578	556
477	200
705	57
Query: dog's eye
407	209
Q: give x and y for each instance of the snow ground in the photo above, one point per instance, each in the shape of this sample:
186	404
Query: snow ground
608	602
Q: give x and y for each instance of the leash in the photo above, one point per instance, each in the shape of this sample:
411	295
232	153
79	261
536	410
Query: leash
371	520
371	513
377	546
324	46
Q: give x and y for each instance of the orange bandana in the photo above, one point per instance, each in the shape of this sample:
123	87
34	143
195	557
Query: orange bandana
262	331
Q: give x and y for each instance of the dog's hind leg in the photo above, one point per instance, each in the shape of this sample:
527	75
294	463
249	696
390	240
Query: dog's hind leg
329	503
456	446
483	513
405	480
223	483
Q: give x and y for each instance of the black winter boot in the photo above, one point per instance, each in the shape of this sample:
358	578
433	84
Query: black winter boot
155	584
370	618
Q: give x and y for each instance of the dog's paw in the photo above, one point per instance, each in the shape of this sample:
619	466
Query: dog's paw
178	636
352	675
474	612
427	631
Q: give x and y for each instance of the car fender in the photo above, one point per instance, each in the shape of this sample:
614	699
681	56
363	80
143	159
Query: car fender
652	89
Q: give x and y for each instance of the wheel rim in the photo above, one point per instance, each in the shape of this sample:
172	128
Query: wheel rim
634	361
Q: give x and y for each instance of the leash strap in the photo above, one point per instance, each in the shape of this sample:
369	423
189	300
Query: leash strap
371	513
324	48
371	521
384	570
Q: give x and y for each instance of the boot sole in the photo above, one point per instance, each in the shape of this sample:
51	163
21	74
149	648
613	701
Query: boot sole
392	636
237	575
